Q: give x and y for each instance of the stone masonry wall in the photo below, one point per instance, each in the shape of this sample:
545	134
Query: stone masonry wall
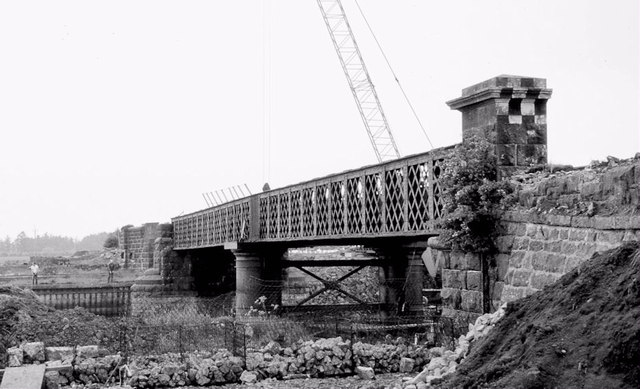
137	243
560	220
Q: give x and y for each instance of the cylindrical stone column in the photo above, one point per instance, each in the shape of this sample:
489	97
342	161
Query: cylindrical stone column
413	290
248	272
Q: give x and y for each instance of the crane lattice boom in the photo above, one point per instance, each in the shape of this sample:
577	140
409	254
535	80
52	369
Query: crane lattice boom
360	83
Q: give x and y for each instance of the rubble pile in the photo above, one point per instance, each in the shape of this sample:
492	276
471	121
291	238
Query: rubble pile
444	362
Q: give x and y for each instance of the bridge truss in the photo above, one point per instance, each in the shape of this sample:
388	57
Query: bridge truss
395	198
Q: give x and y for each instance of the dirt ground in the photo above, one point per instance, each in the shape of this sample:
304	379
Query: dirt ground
581	332
86	270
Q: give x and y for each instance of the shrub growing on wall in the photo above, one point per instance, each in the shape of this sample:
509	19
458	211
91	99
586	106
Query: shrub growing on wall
473	197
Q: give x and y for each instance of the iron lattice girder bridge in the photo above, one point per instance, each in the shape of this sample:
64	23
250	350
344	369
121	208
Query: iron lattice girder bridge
392	199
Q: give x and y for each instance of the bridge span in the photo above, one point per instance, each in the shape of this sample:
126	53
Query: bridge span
400	198
392	207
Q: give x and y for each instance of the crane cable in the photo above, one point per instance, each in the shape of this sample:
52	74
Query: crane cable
394	75
266	90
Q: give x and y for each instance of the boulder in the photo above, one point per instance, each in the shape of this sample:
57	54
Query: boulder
272	348
88	352
365	373
406	365
52	380
33	352
248	377
16	357
64	354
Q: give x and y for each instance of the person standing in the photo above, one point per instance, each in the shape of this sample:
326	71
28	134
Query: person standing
34	273
111	267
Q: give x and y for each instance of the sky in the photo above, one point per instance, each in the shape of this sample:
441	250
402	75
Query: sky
126	111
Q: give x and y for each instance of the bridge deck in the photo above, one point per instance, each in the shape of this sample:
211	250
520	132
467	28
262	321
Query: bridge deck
394	199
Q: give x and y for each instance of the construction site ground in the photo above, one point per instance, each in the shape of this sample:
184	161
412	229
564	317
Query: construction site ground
581	332
89	269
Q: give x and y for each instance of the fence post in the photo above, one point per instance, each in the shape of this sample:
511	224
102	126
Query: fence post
353	356
244	347
180	345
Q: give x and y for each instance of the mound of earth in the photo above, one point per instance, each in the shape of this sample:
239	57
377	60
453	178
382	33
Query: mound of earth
581	332
24	318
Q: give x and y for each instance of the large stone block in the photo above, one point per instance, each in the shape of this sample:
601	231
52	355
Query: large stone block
406	365
59	353
502	265
471	261
496	293
513	293
536	245
455	279
577	234
610	237
471	301
531	154
553	246
521	243
504	243
541	279
548	262
521	277
474	280
518	259
16	357
33	352
451	298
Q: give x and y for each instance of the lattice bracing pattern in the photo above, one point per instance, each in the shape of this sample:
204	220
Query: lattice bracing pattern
418	196
394	199
296	216
273	217
264	216
337	208
373	203
354	205
284	209
437	191
390	199
322	209
307	205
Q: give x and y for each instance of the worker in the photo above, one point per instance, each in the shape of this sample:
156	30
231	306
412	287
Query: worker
111	267
34	273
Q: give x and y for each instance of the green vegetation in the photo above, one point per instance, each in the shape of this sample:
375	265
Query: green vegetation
473	197
111	242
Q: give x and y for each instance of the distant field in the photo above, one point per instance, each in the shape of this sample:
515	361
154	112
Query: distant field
84	271
18	260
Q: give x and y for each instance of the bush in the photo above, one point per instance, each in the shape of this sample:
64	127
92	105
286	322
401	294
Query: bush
111	242
473	197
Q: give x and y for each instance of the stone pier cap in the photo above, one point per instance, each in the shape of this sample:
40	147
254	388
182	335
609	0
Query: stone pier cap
496	87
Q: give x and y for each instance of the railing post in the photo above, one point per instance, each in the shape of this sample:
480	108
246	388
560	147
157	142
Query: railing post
278	221
345	205
289	215
383	199
363	207
254	217
314	203
405	198
430	183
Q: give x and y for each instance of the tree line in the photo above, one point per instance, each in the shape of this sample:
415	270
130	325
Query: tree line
52	244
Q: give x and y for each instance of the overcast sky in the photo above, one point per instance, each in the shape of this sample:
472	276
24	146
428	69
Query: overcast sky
123	112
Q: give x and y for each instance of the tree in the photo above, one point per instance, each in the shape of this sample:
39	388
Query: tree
111	242
473	197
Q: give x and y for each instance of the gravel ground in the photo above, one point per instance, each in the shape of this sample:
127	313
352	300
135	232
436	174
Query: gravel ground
381	381
352	382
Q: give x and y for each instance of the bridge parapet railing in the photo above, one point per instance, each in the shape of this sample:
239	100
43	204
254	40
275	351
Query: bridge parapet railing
214	226
399	197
